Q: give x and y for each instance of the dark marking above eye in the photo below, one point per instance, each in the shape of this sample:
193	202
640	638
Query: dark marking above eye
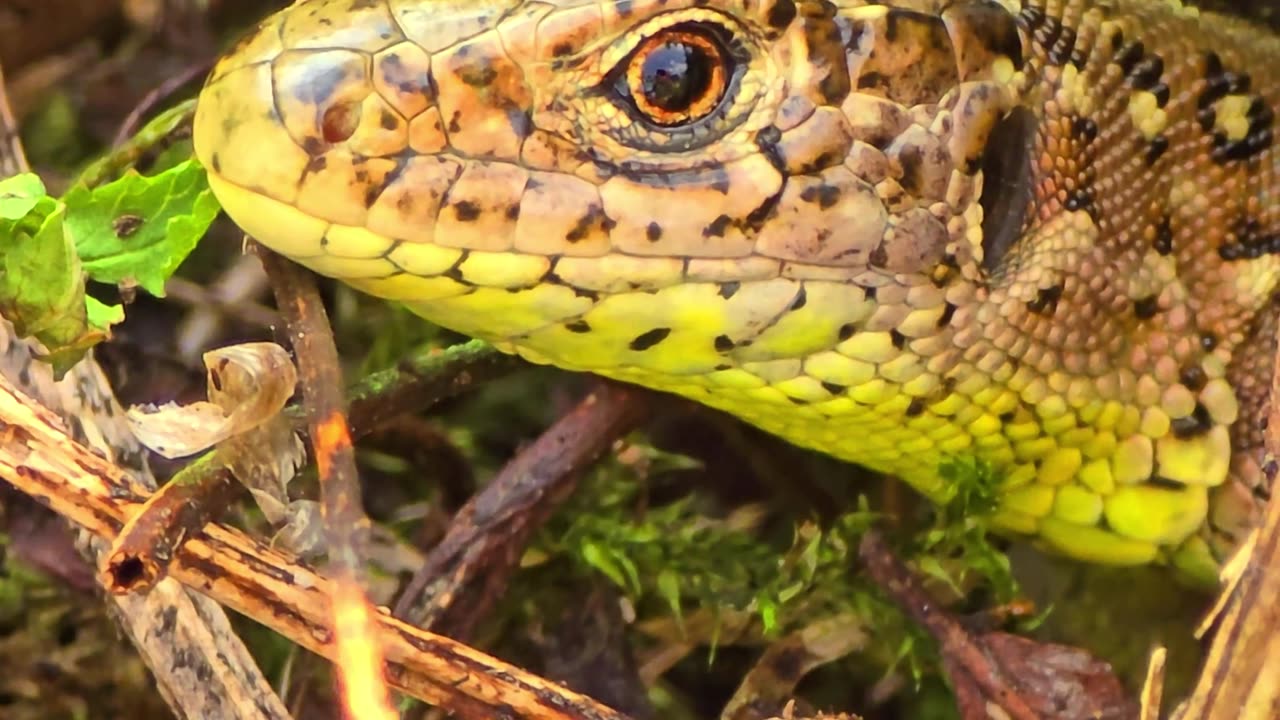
1008	187
646	340
1147	307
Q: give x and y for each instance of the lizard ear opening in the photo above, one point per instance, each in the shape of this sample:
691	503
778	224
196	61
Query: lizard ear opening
1008	185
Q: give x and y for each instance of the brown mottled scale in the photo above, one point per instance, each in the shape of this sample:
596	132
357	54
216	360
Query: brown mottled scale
1042	233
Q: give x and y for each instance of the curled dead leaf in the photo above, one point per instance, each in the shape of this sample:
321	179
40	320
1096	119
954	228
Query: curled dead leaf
248	385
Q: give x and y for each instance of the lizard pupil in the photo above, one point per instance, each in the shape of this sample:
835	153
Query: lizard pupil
675	75
678	76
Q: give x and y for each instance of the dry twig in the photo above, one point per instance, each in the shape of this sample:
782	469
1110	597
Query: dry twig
270	586
488	535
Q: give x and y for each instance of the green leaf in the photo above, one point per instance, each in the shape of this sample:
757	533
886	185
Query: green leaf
19	195
42	285
669	588
136	230
601	559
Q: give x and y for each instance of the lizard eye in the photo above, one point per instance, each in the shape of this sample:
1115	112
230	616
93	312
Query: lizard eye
677	76
676	84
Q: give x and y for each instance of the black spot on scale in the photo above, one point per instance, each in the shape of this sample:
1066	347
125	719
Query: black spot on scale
1080	199
834	388
1253	145
729	289
1161	92
1129	56
1197	423
1046	300
1163	242
1164	483
466	211
1207	118
898	339
717	227
578	326
1194	377
1156	149
1147	307
653	232
477	75
624	7
1062	48
724	343
1249	241
801	299
846	331
592	218
1145	73
1084	128
824	195
646	340
948	312
915	408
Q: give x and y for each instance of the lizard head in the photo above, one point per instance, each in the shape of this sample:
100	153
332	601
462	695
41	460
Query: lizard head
656	185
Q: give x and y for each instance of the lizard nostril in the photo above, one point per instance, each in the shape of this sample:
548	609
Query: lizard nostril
340	122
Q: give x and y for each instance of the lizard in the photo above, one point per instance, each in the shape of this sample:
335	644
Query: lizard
1041	233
